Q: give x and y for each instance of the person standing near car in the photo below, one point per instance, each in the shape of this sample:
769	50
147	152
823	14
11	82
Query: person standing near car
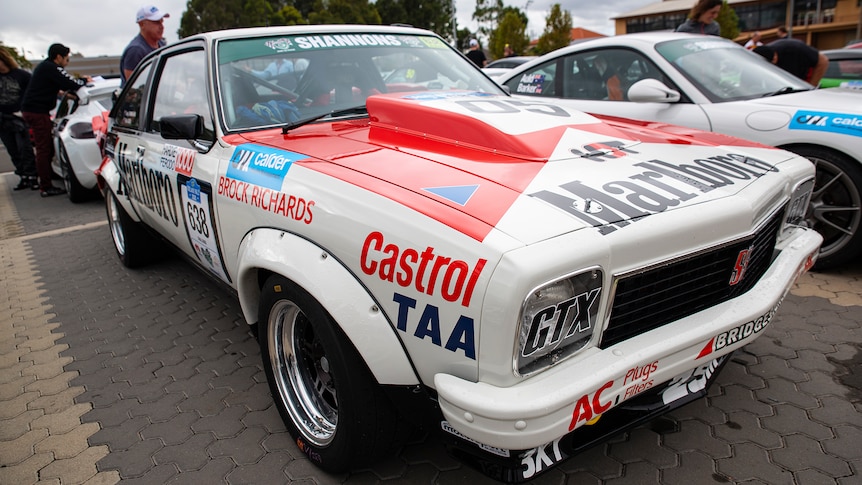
49	78
476	55
701	18
797	58
151	25
14	131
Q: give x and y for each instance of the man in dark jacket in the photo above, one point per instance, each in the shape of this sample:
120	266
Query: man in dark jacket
13	130
49	78
797	58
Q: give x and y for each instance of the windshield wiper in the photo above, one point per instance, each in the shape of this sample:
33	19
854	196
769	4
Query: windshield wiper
332	114
784	90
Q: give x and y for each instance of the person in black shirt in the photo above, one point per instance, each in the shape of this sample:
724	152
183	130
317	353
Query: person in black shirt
797	58
49	78
476	55
13	129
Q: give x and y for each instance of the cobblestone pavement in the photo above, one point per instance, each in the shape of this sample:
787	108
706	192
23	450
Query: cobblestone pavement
151	376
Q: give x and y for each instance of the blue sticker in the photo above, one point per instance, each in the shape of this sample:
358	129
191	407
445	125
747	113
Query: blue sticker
459	194
260	165
844	124
194	191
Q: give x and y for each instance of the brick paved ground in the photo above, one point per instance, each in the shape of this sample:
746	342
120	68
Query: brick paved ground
151	376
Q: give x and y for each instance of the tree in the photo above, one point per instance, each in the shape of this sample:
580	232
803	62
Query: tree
344	12
486	14
434	15
558	30
512	31
208	15
729	21
22	62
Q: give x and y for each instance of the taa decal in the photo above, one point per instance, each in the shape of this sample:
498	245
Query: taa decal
741	265
200	227
288	206
590	407
422	269
691	382
541	458
149	187
260	165
661	186
462	337
178	159
740	333
829	122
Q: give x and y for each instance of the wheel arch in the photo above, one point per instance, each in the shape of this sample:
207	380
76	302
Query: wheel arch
271	251
109	178
792	147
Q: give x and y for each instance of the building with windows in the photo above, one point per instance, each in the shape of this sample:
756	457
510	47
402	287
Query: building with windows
825	24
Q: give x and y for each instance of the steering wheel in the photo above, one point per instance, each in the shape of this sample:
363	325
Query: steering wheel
292	96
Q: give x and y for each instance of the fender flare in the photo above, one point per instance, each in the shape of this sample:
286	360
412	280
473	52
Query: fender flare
108	177
323	276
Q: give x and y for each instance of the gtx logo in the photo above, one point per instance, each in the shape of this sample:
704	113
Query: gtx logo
741	265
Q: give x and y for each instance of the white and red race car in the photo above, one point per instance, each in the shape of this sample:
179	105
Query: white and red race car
411	242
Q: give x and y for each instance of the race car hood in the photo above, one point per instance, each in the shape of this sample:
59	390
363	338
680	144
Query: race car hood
479	162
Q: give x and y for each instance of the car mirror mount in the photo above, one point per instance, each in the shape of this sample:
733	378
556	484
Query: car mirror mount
652	91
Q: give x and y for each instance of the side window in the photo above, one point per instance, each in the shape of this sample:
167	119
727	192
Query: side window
606	74
537	82
181	88
129	106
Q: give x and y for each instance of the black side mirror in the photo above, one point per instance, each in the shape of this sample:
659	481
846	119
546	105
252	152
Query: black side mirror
182	127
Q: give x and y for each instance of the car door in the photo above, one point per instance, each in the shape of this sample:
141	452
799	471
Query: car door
597	81
173	178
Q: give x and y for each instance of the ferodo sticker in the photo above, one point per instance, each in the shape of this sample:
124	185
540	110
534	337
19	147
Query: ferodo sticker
178	159
844	124
197	209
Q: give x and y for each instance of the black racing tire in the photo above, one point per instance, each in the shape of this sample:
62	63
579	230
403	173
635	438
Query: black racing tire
835	210
77	193
134	245
330	402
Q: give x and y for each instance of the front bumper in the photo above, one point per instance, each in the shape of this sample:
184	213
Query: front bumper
555	402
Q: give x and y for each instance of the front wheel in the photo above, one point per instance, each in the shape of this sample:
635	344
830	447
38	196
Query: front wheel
835	210
329	400
77	192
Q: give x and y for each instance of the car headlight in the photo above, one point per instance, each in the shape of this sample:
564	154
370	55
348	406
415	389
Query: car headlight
557	320
798	205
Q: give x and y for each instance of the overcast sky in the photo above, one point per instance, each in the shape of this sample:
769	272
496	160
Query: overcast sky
104	27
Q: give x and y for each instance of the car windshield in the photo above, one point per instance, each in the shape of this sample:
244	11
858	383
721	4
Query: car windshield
273	81
724	71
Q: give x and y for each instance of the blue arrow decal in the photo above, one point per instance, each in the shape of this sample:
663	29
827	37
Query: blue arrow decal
459	194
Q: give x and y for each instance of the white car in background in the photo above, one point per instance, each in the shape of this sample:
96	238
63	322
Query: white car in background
710	83
503	65
77	150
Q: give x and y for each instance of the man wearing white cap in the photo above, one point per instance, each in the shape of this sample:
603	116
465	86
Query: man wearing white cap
475	54
151	22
